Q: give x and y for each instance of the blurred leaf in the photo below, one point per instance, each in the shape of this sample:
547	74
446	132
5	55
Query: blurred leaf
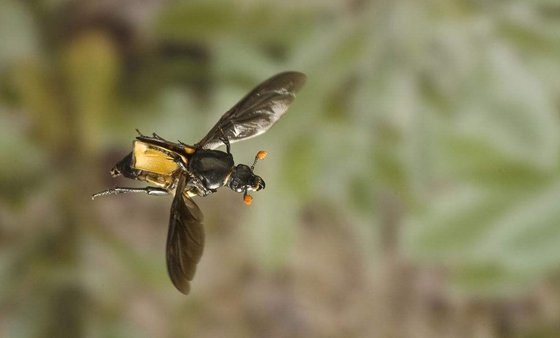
17	33
219	20
39	99
20	160
480	163
491	279
456	223
91	67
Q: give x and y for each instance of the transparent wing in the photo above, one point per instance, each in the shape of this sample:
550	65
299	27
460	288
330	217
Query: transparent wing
185	239
257	111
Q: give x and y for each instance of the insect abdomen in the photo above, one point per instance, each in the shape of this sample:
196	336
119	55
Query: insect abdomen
154	159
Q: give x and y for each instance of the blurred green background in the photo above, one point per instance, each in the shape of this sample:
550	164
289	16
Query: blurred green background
413	189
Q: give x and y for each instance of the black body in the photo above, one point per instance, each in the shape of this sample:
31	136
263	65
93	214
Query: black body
212	167
187	171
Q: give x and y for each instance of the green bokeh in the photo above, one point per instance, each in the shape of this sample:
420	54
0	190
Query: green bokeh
412	189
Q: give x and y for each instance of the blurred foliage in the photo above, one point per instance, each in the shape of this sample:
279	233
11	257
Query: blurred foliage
412	189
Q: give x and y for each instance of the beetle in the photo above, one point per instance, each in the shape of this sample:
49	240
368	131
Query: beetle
185	171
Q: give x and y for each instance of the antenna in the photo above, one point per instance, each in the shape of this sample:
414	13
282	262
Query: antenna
248	199
260	156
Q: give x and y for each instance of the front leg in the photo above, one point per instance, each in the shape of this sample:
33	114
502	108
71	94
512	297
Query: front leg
196	185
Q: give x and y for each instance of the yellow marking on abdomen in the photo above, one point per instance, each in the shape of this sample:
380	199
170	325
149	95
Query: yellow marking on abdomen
153	159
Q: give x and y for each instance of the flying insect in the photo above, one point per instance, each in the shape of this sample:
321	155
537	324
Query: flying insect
185	171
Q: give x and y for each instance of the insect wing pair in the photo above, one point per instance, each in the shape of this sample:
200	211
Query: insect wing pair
187	171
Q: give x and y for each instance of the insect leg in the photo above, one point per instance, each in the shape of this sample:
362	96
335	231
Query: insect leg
122	190
225	140
154	137
157	137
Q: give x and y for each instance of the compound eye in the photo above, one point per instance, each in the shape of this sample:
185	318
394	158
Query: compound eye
236	185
